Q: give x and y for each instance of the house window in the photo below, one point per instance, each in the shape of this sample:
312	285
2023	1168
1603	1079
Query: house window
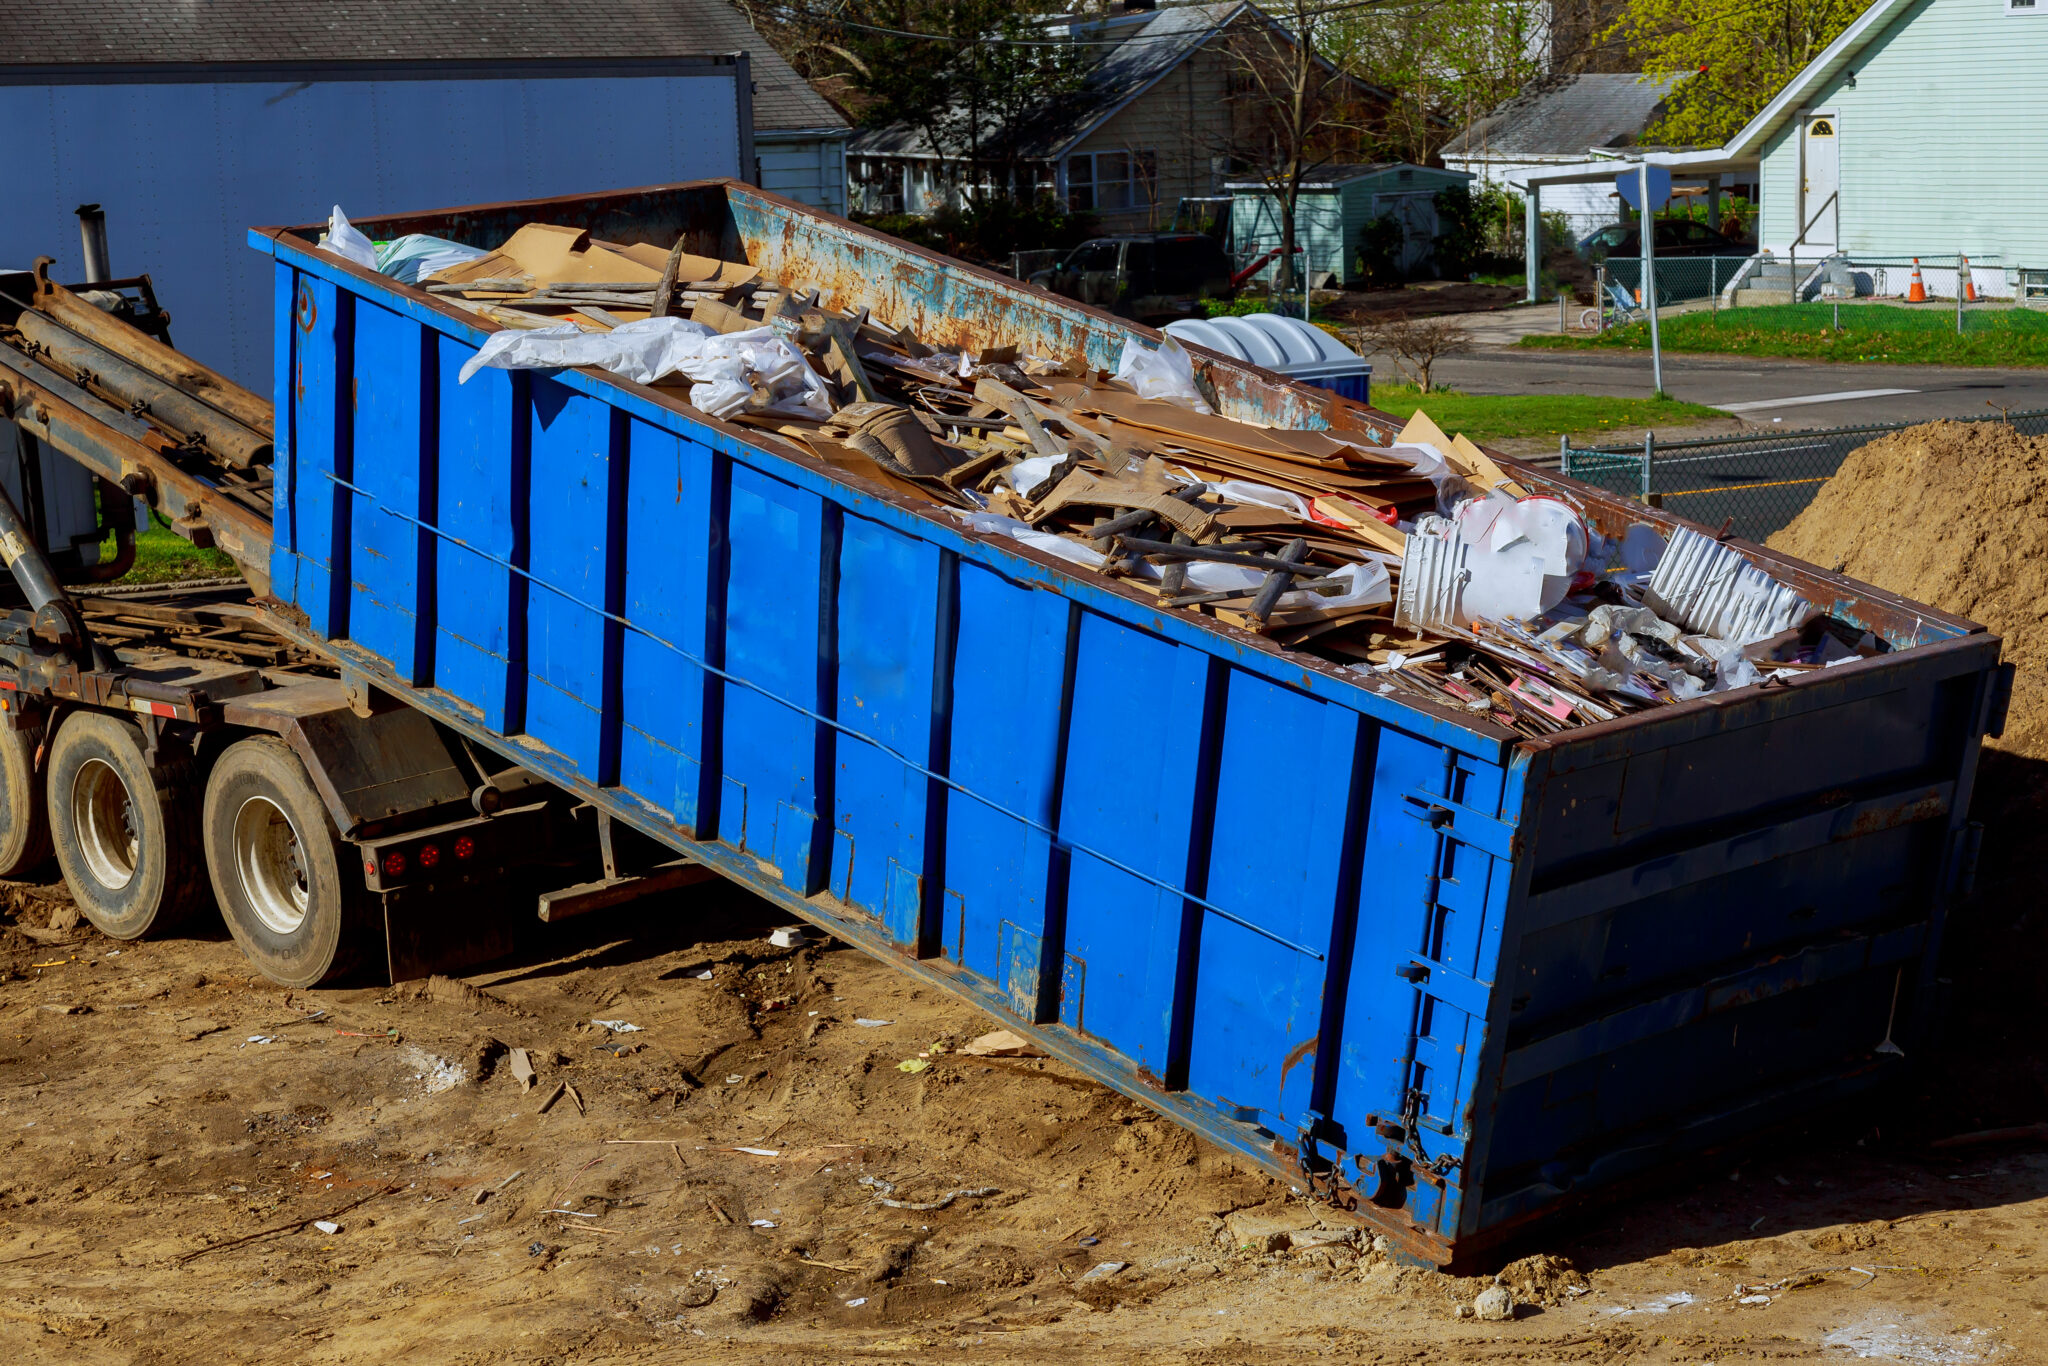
1111	182
2022	7
1821	128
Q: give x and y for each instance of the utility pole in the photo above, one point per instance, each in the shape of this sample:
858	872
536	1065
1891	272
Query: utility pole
1649	233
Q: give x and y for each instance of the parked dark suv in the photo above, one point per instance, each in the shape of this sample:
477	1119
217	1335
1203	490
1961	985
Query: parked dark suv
1675	237
1147	276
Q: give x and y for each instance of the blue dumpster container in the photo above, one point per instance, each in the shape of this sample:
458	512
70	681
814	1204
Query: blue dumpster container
1446	977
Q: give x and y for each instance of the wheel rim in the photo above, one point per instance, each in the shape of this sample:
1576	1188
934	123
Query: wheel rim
271	862
103	814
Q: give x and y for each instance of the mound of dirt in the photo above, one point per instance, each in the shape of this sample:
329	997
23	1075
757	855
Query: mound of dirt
1953	514
452	991
1542	1279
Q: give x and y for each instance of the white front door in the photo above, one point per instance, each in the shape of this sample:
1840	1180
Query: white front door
1819	202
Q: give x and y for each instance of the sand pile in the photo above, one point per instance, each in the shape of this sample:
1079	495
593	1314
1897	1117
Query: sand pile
1952	514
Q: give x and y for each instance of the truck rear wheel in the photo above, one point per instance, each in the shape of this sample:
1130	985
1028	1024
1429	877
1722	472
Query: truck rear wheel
277	872
126	834
24	816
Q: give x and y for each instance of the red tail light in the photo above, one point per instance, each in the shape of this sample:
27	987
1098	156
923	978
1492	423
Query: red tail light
394	864
464	846
430	855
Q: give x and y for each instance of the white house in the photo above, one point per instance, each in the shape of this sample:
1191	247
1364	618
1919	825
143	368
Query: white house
1913	134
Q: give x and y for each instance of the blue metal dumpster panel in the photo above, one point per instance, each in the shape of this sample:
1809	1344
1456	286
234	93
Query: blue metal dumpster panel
284	305
578	454
482	468
396	385
889	609
1010	683
1386	951
1257	1012
1131	811
323	436
668	568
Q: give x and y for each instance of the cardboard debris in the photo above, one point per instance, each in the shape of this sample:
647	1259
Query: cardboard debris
1001	1043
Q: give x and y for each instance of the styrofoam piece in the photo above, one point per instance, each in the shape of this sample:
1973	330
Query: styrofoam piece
1522	558
1713	590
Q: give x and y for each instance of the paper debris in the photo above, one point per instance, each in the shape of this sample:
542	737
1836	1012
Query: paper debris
1001	1043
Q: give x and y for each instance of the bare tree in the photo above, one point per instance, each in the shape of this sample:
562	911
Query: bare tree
1296	108
1416	344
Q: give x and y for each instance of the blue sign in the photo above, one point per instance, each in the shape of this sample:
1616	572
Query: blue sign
1630	183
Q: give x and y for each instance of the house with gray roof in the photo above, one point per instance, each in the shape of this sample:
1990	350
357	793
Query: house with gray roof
1565	122
1155	120
799	138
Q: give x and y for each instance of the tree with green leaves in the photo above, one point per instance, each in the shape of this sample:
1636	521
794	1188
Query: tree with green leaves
969	75
1733	56
1446	63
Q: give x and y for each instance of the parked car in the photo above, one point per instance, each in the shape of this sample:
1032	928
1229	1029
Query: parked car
1675	237
1143	276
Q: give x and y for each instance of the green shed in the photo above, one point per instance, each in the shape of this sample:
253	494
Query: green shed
1336	203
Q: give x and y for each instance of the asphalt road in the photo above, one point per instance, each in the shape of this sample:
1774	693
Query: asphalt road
1798	393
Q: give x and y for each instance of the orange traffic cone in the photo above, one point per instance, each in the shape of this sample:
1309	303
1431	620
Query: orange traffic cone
1917	292
1969	280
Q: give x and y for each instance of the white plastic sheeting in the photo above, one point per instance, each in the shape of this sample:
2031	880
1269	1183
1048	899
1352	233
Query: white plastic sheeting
1166	373
344	240
725	367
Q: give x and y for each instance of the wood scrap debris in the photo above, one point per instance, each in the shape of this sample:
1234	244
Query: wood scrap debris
1422	564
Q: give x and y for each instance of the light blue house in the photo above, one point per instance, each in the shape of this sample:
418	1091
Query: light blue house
1331	213
1916	133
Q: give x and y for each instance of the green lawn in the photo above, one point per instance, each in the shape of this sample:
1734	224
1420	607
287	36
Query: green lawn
162	555
1504	417
1869	332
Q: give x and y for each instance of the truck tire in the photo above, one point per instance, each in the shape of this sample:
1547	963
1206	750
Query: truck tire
293	903
24	815
127	835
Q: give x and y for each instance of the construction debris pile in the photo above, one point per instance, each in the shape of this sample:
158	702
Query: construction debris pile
1422	565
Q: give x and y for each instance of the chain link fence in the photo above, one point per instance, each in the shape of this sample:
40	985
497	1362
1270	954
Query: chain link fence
1680	279
1753	484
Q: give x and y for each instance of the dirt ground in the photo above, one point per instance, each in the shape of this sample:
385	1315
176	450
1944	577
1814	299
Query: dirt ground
717	1184
1423	299
788	1157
